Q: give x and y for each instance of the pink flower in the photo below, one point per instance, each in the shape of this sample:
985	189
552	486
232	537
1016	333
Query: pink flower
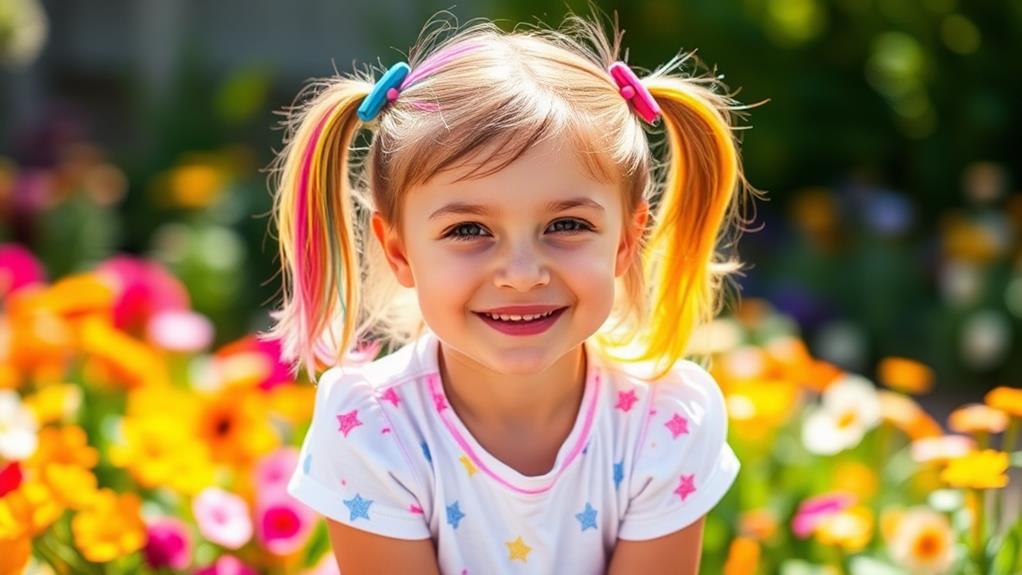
144	289
169	544
180	330
283	525
274	471
222	517
813	510
227	565
18	268
267	354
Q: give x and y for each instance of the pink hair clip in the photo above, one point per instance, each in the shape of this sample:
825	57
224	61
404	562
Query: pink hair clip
633	90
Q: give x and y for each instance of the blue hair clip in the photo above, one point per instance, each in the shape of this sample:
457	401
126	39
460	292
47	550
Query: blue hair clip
385	90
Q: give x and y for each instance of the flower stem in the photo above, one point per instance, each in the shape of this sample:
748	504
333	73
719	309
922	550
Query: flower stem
978	548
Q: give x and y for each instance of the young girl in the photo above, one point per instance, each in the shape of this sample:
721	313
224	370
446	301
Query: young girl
537	281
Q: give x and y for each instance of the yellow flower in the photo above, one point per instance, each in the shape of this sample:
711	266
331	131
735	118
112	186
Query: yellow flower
923	541
158	451
73	486
905	375
978	470
742	557
54	402
1007	399
293	402
760	406
977	418
80	295
195	185
850	529
855	477
110	528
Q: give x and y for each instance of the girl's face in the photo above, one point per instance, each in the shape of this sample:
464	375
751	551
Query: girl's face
539	232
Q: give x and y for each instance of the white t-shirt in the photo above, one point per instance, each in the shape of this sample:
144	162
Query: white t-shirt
386	453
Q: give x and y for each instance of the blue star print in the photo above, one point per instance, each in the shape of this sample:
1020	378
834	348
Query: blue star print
619	473
425	451
307	465
359	507
454	514
587	518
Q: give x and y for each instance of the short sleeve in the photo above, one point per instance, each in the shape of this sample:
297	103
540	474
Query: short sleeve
684	465
352	467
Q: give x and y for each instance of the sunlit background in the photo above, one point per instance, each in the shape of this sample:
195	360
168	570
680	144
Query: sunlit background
872	367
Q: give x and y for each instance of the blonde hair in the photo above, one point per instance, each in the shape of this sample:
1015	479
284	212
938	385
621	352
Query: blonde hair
477	86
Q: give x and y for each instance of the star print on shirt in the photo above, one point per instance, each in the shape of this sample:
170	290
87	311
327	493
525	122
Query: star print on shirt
425	452
307	464
619	473
454	514
359	507
626	399
469	467
348	421
391	396
518	549
587	518
686	487
678	425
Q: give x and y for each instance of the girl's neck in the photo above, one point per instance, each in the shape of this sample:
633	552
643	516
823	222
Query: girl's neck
518	403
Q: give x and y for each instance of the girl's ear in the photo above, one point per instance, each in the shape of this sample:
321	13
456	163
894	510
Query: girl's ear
394	250
631	236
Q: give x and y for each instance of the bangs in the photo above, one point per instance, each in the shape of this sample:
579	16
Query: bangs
486	145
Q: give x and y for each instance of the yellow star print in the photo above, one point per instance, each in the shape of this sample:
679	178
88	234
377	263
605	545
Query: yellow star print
519	550
469	467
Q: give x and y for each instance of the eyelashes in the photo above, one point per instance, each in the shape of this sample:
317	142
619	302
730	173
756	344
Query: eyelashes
564	225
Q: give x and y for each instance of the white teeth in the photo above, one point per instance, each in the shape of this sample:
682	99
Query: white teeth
505	317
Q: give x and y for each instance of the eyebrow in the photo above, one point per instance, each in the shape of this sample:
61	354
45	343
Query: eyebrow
455	208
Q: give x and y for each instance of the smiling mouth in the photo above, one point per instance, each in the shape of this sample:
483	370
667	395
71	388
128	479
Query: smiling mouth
524	318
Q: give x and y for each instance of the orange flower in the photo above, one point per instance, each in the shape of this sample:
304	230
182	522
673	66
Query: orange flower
905	375
906	415
978	470
123	358
923	541
14	554
759	524
978	418
1007	399
819	375
742	557
79	295
236	426
66	445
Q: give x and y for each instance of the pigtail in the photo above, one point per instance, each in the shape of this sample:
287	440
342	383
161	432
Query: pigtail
701	180
314	215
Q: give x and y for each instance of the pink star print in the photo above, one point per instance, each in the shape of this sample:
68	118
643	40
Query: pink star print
385	430
686	487
415	509
626	399
439	402
678	425
348	421
391	396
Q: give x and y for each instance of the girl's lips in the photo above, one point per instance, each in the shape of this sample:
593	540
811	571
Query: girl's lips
522	328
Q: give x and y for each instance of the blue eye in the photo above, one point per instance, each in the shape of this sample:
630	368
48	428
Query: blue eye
572	225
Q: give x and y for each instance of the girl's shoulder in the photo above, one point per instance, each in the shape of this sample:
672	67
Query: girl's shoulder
686	383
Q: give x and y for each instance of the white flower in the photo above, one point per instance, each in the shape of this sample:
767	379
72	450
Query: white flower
849	409
17	427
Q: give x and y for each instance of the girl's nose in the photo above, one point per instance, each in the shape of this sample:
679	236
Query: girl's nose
524	270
